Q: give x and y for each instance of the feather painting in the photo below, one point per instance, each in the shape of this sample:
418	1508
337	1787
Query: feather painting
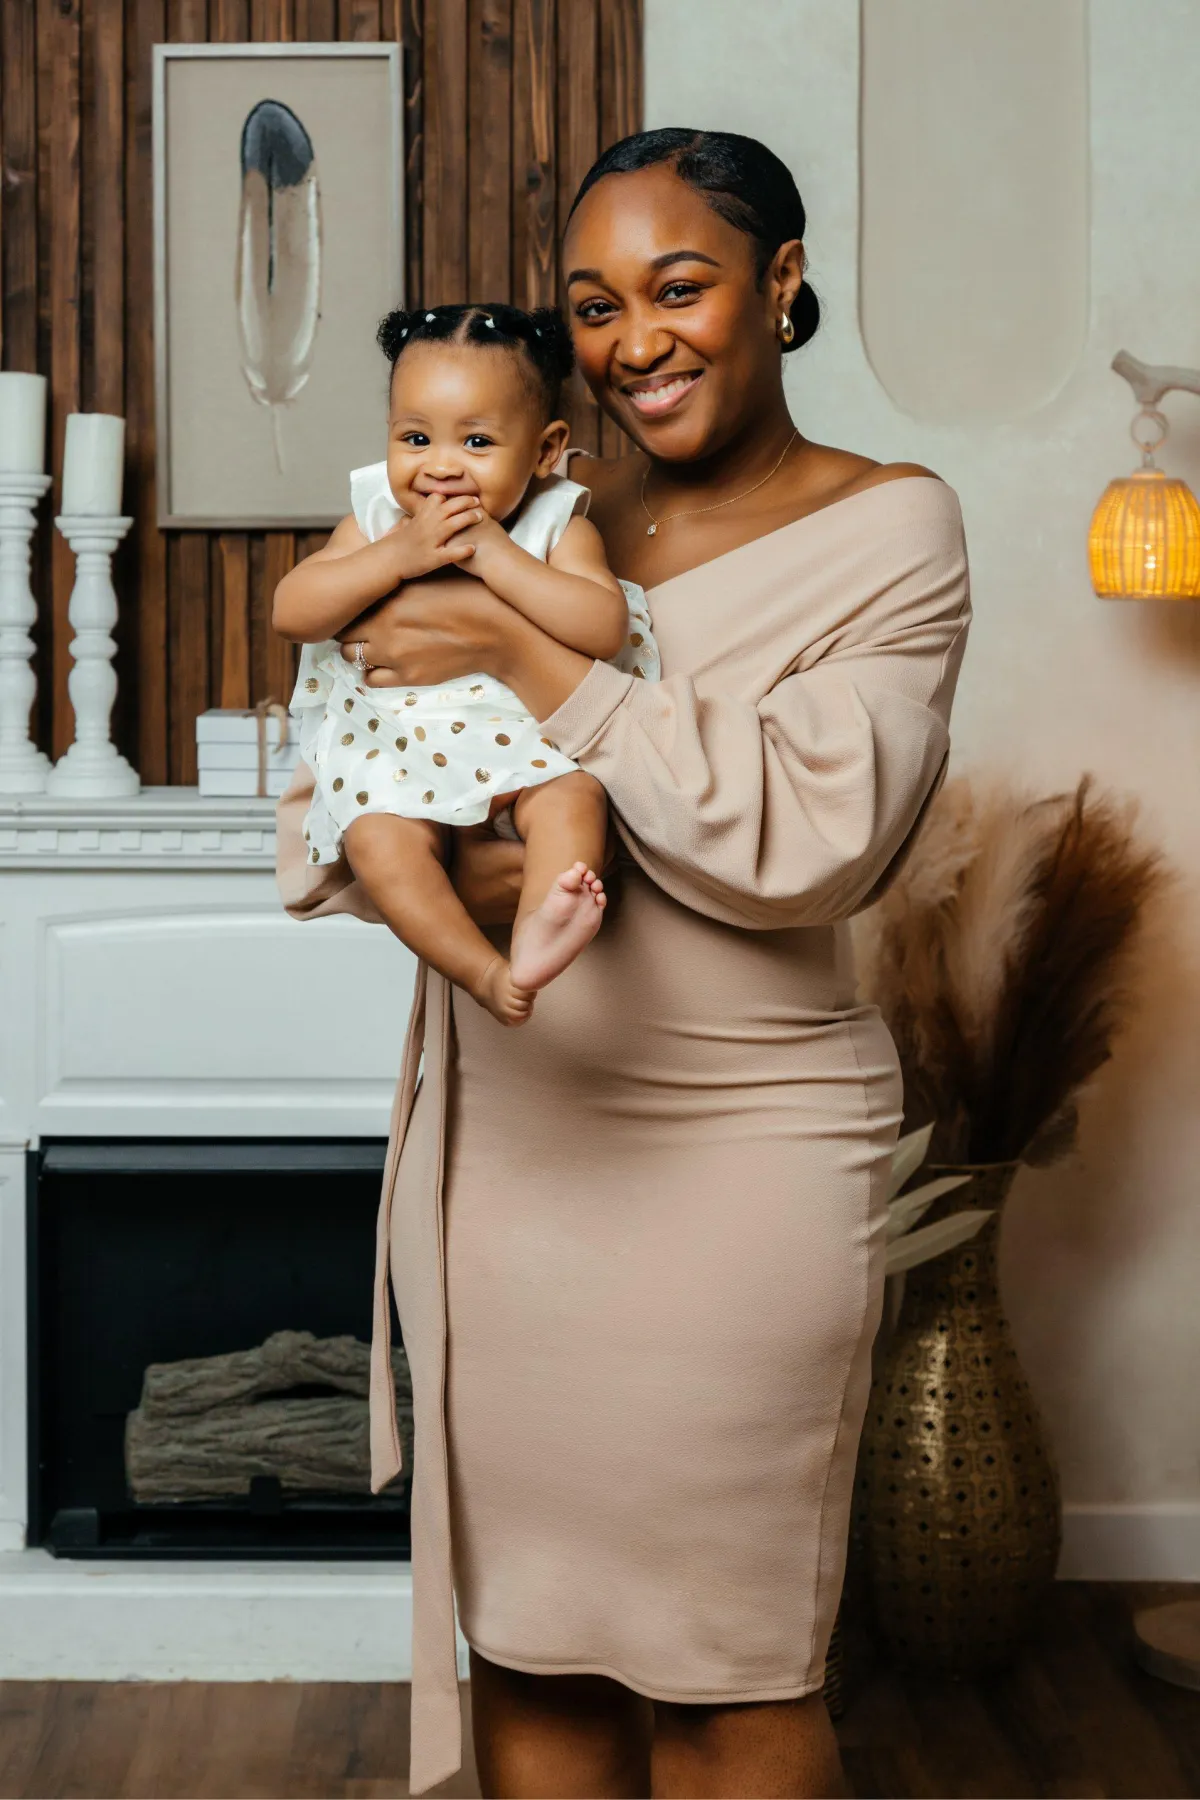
278	280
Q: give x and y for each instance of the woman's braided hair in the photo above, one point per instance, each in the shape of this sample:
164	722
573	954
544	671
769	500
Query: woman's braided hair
540	338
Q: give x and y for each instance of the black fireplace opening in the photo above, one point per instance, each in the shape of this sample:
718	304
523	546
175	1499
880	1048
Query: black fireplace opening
199	1316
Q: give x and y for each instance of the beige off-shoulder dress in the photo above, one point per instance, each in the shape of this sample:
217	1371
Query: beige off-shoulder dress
637	1245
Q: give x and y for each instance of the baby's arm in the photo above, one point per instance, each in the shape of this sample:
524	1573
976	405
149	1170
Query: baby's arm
330	588
574	596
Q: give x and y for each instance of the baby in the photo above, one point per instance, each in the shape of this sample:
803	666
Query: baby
473	438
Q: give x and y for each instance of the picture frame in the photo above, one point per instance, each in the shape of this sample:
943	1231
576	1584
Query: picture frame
278	246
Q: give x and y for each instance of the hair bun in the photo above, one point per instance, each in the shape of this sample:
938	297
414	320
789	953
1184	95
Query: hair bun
552	329
805	316
393	331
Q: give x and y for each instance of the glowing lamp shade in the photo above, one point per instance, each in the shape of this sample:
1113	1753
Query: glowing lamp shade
1144	540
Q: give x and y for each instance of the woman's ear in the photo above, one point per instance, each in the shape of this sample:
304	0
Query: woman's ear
785	276
555	439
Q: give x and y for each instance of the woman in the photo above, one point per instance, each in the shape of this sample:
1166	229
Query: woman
637	1245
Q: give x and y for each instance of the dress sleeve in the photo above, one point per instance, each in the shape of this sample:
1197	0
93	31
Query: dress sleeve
791	810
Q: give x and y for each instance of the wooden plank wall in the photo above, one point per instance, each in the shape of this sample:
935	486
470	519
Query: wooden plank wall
506	104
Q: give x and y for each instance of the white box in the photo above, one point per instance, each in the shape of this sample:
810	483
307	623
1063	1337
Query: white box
245	756
227	754
240	784
234	725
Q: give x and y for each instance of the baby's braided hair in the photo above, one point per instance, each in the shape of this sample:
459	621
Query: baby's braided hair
540	337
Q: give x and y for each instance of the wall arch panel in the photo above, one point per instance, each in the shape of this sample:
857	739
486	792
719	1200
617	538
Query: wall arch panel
973	172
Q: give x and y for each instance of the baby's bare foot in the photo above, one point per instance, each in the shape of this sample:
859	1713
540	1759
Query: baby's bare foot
499	993
550	938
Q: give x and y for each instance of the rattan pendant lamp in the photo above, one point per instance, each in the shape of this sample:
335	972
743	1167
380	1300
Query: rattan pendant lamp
1144	541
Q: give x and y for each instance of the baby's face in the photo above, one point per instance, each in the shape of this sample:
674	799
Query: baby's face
466	420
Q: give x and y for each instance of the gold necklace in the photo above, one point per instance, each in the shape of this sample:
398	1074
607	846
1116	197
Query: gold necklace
689	511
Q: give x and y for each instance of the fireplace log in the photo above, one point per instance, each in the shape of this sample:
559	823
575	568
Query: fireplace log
309	1446
208	1425
288	1359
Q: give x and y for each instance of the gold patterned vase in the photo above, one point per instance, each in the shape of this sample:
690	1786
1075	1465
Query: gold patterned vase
958	1497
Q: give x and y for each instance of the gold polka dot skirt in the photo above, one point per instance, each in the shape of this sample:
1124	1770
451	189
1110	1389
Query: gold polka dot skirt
426	753
420	753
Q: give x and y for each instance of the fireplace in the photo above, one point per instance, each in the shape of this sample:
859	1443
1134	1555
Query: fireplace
155	1252
189	1164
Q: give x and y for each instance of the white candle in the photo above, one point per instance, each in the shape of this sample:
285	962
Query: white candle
22	424
93	465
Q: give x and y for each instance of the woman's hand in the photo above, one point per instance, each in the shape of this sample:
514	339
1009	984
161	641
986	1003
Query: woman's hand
431	631
445	626
486	871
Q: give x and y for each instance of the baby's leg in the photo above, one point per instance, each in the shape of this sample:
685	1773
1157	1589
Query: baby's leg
564	824
400	863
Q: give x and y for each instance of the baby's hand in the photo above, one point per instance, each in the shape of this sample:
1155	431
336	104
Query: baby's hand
481	543
430	538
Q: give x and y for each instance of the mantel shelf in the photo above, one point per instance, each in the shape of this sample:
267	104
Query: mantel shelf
160	828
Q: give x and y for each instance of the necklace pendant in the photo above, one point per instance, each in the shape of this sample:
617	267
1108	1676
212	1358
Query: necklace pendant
650	530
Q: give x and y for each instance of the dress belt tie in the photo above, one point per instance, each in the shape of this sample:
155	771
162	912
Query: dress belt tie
436	1719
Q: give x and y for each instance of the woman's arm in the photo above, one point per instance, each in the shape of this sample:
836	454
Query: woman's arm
329	589
444	626
790	811
486	872
574	596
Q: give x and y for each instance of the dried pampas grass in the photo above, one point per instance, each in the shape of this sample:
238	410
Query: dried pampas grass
1001	958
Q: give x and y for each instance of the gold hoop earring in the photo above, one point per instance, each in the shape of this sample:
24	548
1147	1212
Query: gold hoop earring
785	329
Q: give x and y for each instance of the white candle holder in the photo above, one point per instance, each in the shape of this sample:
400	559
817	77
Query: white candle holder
23	767
93	768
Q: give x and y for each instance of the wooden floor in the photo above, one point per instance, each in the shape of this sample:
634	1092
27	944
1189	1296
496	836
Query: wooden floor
1074	1718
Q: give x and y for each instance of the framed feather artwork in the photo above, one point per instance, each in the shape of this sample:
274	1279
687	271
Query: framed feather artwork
278	246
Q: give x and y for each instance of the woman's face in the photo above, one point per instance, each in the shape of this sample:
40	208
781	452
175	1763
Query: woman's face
674	334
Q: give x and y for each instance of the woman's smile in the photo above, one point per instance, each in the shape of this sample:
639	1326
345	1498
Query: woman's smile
656	395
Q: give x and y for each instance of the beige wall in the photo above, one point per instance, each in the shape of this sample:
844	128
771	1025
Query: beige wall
1102	1259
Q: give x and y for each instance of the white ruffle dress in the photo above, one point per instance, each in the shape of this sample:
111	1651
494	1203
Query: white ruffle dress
425	752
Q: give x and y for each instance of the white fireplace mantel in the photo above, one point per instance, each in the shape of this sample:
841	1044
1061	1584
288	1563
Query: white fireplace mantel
152	986
160	828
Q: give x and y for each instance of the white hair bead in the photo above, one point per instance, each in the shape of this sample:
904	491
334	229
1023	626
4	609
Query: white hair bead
429	318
